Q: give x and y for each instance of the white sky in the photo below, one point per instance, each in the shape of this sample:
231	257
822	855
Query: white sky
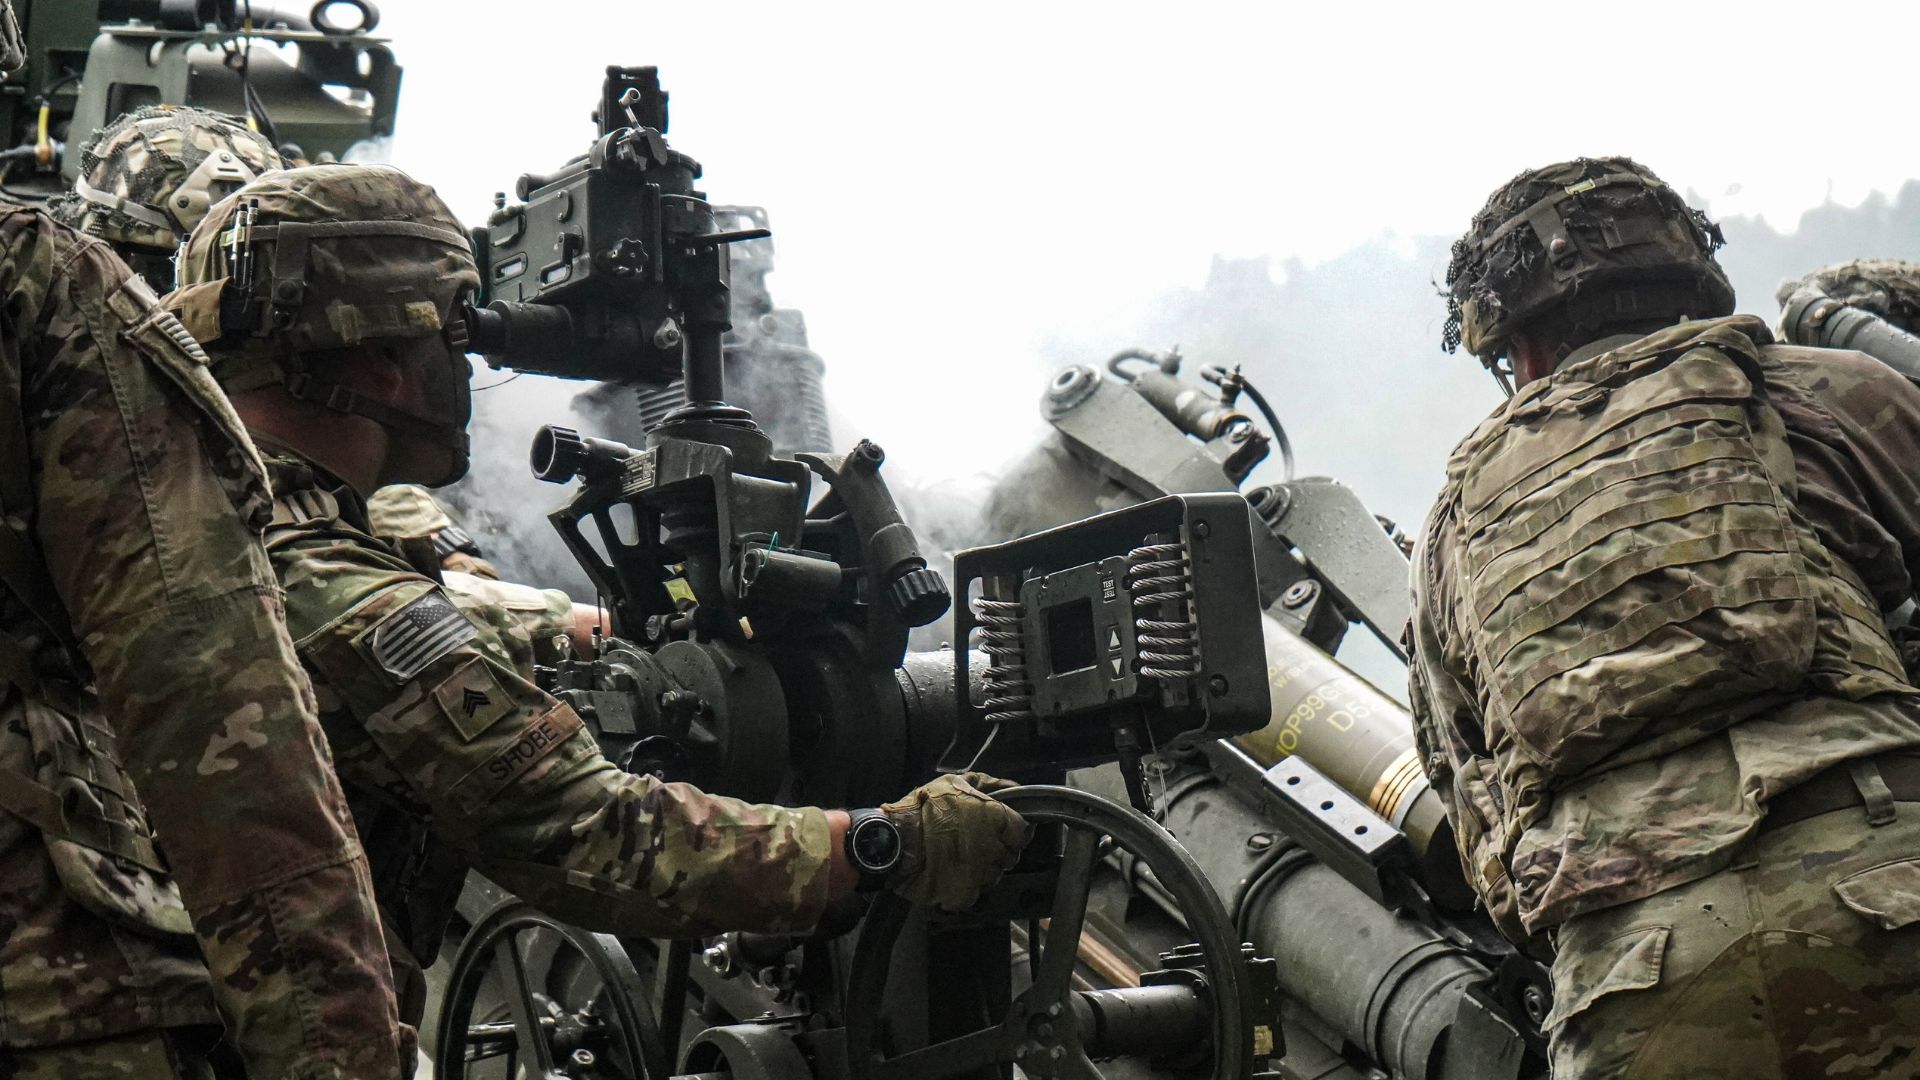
948	183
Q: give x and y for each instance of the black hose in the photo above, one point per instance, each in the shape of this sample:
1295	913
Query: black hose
1274	428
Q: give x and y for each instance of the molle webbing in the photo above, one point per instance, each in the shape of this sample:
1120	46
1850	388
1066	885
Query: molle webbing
1633	564
89	800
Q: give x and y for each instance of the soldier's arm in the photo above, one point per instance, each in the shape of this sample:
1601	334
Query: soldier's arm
1860	445
1450	733
539	626
143	489
514	779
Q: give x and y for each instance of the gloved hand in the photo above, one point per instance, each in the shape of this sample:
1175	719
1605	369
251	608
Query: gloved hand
955	840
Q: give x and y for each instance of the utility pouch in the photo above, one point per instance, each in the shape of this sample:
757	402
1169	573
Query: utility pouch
85	808
1635	567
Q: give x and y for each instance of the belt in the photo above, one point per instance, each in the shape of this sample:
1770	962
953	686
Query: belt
1834	788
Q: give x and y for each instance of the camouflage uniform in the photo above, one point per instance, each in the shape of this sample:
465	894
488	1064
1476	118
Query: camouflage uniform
437	732
133	570
410	514
1704	870
1890	288
149	177
457	742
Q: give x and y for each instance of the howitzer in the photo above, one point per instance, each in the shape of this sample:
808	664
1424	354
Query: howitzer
758	646
1319	830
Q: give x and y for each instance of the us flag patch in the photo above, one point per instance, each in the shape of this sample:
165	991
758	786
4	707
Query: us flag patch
428	628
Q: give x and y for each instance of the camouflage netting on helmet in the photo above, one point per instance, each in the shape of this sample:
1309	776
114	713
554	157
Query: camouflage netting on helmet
341	254
147	178
1593	242
1889	288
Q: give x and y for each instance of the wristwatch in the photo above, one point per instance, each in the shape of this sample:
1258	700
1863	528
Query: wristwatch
872	845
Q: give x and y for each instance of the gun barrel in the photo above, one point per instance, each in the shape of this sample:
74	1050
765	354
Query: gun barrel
1409	999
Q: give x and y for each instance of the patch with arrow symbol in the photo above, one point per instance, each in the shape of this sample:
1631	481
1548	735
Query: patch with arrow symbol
473	699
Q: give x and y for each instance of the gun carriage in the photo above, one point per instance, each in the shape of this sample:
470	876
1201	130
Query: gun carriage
1236	871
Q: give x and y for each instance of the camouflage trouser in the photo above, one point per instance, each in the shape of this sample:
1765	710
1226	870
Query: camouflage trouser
1803	960
155	1054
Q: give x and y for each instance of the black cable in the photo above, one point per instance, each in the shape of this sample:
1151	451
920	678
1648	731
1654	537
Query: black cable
31	198
241	60
502	382
1273	425
59	84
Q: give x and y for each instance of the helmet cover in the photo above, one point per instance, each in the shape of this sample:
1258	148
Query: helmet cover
1600	241
149	177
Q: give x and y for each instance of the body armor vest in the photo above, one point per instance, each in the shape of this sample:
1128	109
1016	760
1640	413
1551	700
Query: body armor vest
1634	574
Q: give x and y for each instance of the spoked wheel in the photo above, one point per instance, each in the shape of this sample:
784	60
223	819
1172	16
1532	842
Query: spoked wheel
1051	1029
531	998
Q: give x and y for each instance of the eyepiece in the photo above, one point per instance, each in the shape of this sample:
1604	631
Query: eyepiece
561	454
558	454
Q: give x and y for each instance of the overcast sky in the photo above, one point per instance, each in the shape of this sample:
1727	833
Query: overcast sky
955	187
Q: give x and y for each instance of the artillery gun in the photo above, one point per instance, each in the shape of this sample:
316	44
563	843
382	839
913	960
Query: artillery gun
758	647
1238	871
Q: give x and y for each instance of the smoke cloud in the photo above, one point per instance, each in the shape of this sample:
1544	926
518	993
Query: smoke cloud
1347	350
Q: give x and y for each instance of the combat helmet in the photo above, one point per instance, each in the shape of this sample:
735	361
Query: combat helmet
303	263
149	177
1592	242
1888	288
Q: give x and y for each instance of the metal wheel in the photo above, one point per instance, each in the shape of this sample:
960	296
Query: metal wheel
531	998
1051	1029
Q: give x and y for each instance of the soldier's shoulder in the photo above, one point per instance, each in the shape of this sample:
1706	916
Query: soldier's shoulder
334	573
35	249
1849	365
406	510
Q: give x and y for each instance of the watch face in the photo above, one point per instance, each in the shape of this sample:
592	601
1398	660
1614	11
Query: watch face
876	845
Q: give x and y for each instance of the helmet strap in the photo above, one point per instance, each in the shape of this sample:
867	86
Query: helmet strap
303	386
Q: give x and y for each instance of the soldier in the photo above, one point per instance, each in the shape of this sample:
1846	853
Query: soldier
142	644
1650	672
355	378
1889	288
408	513
147	178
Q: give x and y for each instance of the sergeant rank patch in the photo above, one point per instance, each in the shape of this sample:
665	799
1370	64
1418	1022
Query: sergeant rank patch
473	698
426	629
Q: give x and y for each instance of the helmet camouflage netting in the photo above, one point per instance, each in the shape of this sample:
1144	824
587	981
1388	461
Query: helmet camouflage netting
1889	288
147	178
1601	241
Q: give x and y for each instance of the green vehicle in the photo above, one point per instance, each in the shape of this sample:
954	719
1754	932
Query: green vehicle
314	77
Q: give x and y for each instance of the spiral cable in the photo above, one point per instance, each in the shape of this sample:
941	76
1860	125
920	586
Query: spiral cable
1009	692
1161	581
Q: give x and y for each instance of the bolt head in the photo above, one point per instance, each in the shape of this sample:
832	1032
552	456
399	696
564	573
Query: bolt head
1053	1009
583	1057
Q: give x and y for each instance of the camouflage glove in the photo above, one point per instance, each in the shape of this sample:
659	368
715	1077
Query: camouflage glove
955	840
